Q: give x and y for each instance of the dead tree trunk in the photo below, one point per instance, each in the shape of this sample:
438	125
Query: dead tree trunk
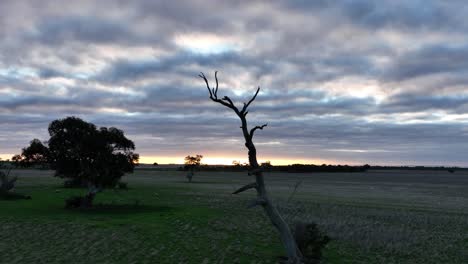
263	199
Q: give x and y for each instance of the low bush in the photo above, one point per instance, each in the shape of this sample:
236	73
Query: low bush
310	241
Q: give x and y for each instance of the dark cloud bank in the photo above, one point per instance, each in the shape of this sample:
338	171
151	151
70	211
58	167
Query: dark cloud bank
342	81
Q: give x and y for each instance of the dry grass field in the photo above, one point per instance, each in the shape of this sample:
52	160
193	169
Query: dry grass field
372	217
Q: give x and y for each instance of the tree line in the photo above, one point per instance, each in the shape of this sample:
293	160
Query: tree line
294	168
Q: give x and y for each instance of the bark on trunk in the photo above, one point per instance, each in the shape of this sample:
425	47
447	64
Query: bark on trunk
293	253
190	175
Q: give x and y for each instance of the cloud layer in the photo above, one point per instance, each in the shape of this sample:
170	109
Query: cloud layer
342	81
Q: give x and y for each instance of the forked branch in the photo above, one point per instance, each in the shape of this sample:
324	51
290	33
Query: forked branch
252	131
226	101
213	91
246	105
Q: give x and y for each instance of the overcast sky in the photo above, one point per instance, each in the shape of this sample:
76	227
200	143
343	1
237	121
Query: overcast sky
341	81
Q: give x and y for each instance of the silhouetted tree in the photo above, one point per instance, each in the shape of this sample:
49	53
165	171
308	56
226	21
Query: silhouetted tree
263	199
191	162
17	160
366	167
98	157
35	154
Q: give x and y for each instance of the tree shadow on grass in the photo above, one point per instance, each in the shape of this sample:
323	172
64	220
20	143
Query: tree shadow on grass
201	182
123	209
10	196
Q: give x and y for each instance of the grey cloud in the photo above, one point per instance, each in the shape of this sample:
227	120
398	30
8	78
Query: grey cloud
124	69
47	73
312	106
414	102
429	60
294	50
57	30
406	15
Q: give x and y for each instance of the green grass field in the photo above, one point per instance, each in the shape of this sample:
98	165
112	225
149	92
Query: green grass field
372	217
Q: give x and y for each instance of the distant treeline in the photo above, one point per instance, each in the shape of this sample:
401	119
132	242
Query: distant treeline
294	168
432	168
298	168
303	168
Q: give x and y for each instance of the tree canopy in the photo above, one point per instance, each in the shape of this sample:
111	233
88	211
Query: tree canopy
35	154
193	161
78	150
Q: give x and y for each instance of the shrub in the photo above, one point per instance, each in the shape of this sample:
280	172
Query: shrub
78	202
6	183
6	186
310	241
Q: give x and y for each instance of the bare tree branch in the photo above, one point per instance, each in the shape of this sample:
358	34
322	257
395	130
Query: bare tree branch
201	75
296	186
246	187
226	101
216	78
252	131
246	105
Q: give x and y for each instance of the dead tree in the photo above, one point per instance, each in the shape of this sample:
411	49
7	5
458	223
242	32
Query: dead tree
7	183
263	199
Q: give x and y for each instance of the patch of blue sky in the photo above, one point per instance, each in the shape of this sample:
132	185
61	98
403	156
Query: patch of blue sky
18	72
211	48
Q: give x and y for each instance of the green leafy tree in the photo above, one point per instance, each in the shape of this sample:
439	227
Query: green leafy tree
81	152
192	162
